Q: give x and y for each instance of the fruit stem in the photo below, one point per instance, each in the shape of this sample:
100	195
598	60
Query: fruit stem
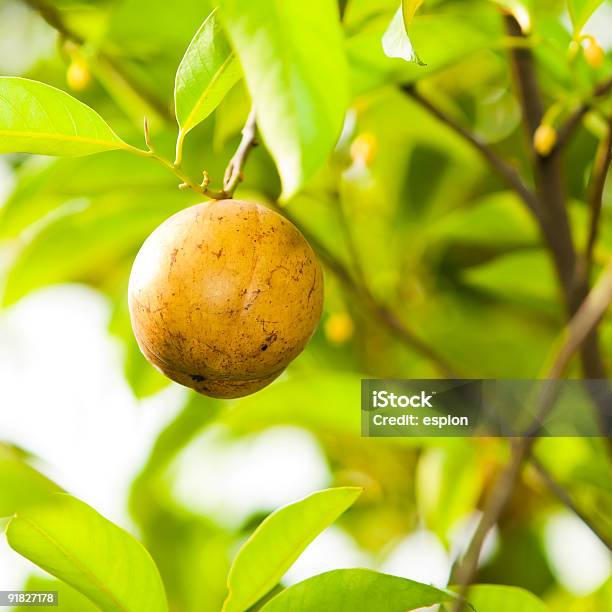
175	168
233	174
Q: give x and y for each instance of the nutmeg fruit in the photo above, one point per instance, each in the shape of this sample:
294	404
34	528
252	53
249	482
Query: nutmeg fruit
223	296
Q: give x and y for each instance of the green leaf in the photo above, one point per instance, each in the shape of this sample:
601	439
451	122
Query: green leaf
22	486
356	589
105	232
69	600
580	11
151	484
448	484
279	541
74	543
409	9
396	42
496	598
37	118
269	406
524	277
142	378
207	72
42	188
293	58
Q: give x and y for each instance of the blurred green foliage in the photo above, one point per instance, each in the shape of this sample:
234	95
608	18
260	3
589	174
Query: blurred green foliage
403	203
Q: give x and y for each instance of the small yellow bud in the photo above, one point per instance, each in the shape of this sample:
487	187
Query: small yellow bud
544	139
78	75
593	53
339	328
364	148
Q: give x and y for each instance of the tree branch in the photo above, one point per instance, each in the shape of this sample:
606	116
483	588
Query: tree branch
501	166
565	132
233	174
578	331
565	498
597	184
554	221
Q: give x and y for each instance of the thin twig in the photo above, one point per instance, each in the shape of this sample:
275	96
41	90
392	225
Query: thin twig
586	319
565	132
234	172
566	499
500	165
554	220
578	330
585	316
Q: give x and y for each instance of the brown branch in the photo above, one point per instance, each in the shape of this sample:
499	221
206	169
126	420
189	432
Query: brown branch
566	499
554	221
463	572
597	184
578	331
501	166
585	315
565	132
586	319
54	18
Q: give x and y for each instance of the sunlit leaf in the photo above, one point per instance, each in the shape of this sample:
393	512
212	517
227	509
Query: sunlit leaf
68	599
42	188
356	589
74	543
152	38
231	115
207	72
198	413
525	277
86	240
279	541
409	9
396	42
38	118
293	59
371	67
269	406
22	486
448	484
580	11
497	598
520	11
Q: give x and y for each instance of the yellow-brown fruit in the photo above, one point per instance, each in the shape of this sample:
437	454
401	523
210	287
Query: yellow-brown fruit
544	139
223	295
78	76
